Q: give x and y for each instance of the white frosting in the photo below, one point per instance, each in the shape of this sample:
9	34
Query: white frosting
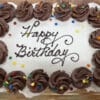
80	31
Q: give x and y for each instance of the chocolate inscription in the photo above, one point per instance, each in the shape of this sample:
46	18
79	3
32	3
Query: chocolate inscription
50	45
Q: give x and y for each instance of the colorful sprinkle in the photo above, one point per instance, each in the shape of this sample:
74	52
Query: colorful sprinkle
5	83
88	65
61	88
73	21
85	81
10	86
9	78
72	5
33	84
56	24
91	78
22	65
10	57
14	63
77	31
57	6
63	5
14	23
98	37
39	85
1	5
24	77
10	34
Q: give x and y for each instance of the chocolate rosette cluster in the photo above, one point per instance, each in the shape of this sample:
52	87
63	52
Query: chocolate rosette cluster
43	10
24	11
3	52
81	77
15	81
62	11
59	82
37	81
96	76
94	39
94	17
3	27
2	76
80	12
7	12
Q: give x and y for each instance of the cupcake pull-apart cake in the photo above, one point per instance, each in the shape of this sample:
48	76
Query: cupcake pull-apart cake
44	45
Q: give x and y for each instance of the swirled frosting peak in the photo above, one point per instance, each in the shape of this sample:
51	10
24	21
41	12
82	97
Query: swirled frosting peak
94	39
43	10
3	27
37	81
81	77
63	11
59	82
2	76
7	12
96	76
94	17
24	11
81	12
15	81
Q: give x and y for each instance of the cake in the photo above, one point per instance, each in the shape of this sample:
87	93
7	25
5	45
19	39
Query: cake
54	46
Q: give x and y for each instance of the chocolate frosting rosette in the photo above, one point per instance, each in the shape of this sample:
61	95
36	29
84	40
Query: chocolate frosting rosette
96	77
62	11
7	12
94	39
94	17
24	11
3	52
82	77
96	59
43	10
2	76
59	82
3	27
37	81
15	81
81	12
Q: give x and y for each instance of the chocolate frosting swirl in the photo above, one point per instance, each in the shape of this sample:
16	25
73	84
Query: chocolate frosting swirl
15	81
7	12
3	52
24	11
96	76
81	77
2	76
37	81
63	11
3	27
81	12
43	10
59	82
94	17
96	59
94	39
